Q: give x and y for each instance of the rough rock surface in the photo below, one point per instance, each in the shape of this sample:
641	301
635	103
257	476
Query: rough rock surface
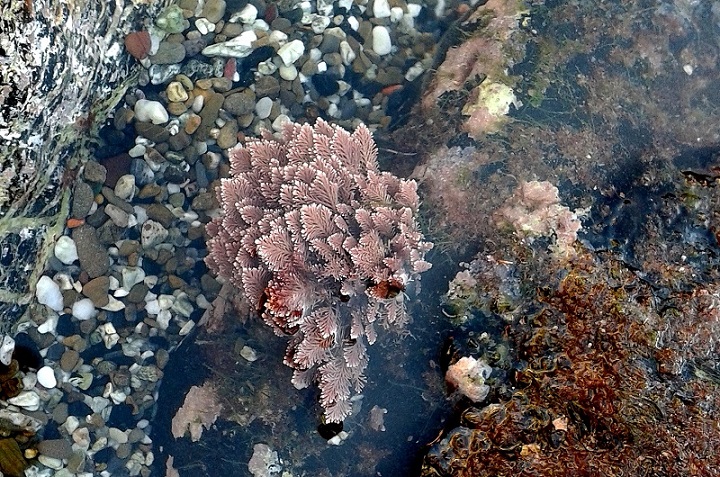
55	85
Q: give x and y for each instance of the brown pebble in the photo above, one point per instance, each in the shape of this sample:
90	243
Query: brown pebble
68	360
192	123
138	44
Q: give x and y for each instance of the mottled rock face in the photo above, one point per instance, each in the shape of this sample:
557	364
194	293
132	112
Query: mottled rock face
37	103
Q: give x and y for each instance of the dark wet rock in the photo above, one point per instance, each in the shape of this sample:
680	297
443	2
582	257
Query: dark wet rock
201	175
204	201
196	68
55	351
27	352
109	233
175	174
142	172
94	258
65	325
83	198
79	409
179	141
267	86
153	132
325	84
137	293
240	103
161	214
116	166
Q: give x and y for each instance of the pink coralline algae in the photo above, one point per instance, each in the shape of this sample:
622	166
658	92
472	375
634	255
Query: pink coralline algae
324	244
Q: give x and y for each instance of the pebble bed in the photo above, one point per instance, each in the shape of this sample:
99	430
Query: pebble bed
127	282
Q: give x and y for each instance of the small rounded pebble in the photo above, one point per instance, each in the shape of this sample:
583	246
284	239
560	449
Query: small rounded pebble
46	377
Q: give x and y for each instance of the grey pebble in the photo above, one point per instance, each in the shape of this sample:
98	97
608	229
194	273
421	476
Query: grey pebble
168	54
55	448
240	103
94	172
83	198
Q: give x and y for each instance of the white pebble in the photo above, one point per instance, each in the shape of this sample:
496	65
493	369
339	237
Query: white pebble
396	13
381	9
238	47
204	26
46	377
248	353
6	350
152	233
28	400
151	111
414	71
381	43
290	52
50	462
138	150
113	304
280	121
354	23
288	72
247	15
109	335
125	187
84	309
346	53
48	293
49	325
117	435
131	276
65	250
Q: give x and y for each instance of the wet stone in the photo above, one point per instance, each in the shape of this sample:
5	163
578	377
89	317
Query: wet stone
94	172
210	110
83	198
76	462
240	103
176	109
142	172
153	132
168	53
267	86
137	293
222	85
174	174
227	137
94	258
179	141
97	290
213	10
194	46
68	360
55	448
204	201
